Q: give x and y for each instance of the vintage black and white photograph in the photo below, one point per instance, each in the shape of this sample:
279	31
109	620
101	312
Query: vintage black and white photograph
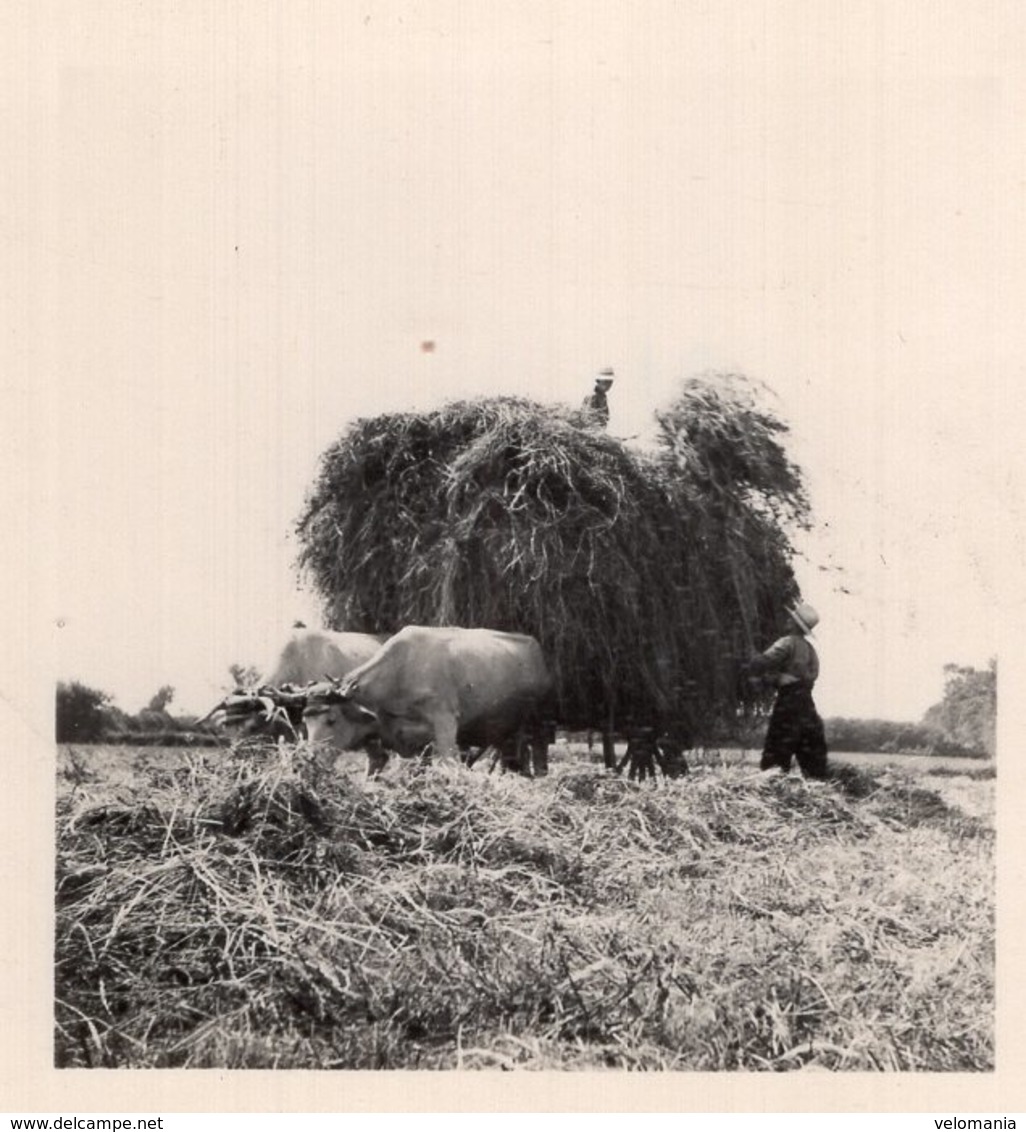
528	526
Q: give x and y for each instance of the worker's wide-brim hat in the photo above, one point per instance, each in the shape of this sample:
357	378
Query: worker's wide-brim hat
804	616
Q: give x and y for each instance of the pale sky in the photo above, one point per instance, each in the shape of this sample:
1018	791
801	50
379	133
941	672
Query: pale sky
254	214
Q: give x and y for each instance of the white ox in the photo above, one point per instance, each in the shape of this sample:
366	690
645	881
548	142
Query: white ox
313	654
446	687
309	656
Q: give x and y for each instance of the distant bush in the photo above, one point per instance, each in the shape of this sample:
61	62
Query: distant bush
87	715
967	715
882	736
977	774
162	738
890	737
150	720
81	713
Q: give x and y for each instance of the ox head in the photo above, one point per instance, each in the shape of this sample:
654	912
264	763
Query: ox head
248	712
333	718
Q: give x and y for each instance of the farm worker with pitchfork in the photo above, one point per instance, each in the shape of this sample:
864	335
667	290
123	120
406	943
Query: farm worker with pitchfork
795	728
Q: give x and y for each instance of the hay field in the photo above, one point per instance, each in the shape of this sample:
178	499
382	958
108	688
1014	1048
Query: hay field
262	909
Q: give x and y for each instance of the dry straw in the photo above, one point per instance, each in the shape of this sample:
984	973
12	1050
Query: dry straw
259	909
643	581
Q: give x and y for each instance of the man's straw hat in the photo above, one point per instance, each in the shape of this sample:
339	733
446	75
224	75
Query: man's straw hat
804	616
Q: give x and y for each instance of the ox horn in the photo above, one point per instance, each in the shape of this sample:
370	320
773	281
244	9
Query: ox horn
213	711
282	716
269	706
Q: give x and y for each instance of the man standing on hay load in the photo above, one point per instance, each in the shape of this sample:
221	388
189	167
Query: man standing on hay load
596	403
795	728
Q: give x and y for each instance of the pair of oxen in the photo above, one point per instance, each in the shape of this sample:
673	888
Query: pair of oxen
456	692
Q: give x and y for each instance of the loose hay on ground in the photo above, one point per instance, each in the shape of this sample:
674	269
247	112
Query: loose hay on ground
263	910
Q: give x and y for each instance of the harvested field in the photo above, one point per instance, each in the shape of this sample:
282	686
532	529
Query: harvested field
236	910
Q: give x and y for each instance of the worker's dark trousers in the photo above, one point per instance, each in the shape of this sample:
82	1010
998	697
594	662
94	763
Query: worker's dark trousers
795	729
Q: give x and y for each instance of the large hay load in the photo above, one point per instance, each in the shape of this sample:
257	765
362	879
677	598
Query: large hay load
641	576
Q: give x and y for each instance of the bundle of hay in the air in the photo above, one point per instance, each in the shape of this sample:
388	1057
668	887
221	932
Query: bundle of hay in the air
641	588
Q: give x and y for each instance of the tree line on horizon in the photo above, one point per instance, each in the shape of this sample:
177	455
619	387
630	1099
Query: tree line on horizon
962	723
88	715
